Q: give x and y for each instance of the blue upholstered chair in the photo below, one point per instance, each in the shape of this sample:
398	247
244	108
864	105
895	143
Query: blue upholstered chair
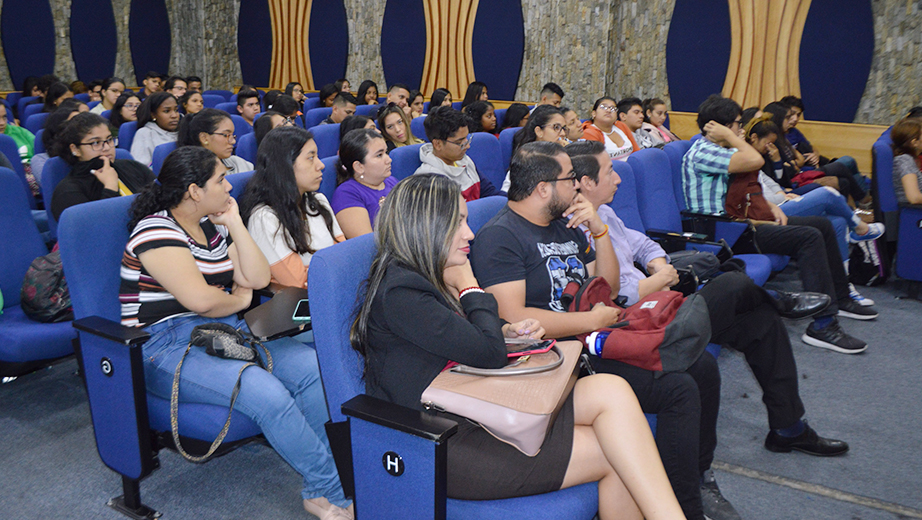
228	106
11	151
238	182
38	146
159	155
314	116
246	147
505	145
908	219
327	139
500	115
212	100
83	97
377	427
367	110
485	152
105	114
12	98
418	127
405	161
310	103
24	344
130	425
328	183
36	122
227	95
480	211
21	105
241	127
30	110
126	134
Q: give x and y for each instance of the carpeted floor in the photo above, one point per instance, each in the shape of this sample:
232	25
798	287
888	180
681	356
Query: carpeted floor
50	468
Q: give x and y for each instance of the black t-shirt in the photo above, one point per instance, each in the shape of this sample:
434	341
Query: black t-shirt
510	248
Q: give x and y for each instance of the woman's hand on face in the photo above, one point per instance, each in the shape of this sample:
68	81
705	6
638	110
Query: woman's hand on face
459	277
527	328
227	216
107	175
773	152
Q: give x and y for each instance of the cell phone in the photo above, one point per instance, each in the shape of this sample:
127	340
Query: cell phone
302	311
535	347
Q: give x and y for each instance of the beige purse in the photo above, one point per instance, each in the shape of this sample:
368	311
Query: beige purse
517	405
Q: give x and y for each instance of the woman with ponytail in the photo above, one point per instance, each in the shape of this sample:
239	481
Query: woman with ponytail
286	215
190	261
213	129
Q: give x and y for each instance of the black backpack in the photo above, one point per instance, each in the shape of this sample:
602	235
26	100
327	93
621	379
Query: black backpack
868	263
44	296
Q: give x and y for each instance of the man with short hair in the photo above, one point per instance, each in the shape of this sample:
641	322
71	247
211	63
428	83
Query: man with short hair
446	153
399	94
551	94
248	104
194	83
94	89
630	113
706	170
176	86
151	84
343	107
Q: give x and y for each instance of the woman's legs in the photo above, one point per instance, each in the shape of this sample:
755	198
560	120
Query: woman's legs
612	444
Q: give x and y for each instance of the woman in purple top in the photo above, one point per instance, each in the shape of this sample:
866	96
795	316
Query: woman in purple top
363	179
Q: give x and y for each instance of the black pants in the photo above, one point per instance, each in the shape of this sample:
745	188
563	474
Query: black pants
687	403
847	183
812	242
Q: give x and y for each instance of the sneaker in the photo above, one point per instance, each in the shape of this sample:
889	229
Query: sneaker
857	297
849	308
833	338
715	506
875	231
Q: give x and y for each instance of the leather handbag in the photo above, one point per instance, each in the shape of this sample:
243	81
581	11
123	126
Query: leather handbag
517	404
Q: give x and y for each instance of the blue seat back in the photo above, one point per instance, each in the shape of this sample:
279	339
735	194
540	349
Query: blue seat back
625	201
226	94
21	105
367	110
485	153
405	161
500	116
694	138
310	104
246	147
53	172
126	134
332	284
480	211
11	151
20	242
327	139
241	127
159	155
328	184
655	193
883	175
239	182
38	146
83	97
228	106
36	122
211	100
456	105
426	107
314	116
505	145
13	98
30	110
909	244
105	114
418	127
92	104
676	150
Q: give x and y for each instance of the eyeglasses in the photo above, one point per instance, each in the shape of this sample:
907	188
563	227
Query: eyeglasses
608	108
464	142
132	106
557	127
229	136
101	145
571	178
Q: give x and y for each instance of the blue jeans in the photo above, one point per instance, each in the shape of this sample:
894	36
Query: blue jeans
288	404
827	203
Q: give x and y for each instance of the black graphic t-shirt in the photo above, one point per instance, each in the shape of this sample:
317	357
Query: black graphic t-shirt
510	248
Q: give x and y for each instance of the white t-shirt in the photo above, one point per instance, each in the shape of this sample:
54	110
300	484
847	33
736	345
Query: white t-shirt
267	232
618	152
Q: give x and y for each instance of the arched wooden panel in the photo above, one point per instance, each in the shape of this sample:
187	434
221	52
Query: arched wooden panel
291	59
765	52
449	35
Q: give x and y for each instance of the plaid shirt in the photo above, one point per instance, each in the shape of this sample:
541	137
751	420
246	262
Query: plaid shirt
705	176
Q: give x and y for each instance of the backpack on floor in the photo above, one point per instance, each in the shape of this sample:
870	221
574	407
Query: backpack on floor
44	296
868	263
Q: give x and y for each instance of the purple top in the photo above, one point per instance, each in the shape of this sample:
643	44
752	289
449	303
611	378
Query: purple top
353	194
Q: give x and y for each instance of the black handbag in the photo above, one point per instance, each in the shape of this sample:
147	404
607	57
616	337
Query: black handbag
223	341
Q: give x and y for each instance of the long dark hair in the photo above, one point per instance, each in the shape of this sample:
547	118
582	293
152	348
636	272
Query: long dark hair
115	116
539	117
779	112
438	97
363	91
56	90
274	185
74	132
476	111
55	123
353	147
474	90
182	168
514	115
205	120
903	132
150	105
414	229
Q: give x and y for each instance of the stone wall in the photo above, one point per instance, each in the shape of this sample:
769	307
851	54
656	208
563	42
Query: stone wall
64	66
364	61
638	59
124	68
896	71
207	50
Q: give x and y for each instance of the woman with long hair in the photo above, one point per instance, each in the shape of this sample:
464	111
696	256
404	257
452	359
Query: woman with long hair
516	116
213	129
125	109
191	102
112	88
57	93
158	119
284	213
483	117
476	91
363	180
654	117
190	261
415	101
907	147
395	126
421	266
440	98
546	123
54	124
368	93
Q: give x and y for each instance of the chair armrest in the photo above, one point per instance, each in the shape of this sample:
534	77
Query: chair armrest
111	330
672	242
400	418
709	216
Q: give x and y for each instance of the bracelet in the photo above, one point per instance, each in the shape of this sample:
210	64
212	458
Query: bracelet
602	234
469	290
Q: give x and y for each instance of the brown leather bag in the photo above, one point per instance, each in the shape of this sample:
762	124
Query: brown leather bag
745	199
516	409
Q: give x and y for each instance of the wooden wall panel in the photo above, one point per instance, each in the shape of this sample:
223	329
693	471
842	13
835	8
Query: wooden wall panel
764	61
291	60
449	34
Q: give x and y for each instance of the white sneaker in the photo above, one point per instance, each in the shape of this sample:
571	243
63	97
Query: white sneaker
856	296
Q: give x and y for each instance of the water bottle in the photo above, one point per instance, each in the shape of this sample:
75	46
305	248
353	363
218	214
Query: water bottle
596	340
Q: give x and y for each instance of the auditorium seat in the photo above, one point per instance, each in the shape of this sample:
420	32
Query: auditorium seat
161	151
505	145
500	115
212	100
11	151
328	183
367	110
418	127
485	153
38	146
246	147
36	122
327	139
226	94
908	230
126	134
241	127
29	110
228	106
405	161
314	116
238	182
